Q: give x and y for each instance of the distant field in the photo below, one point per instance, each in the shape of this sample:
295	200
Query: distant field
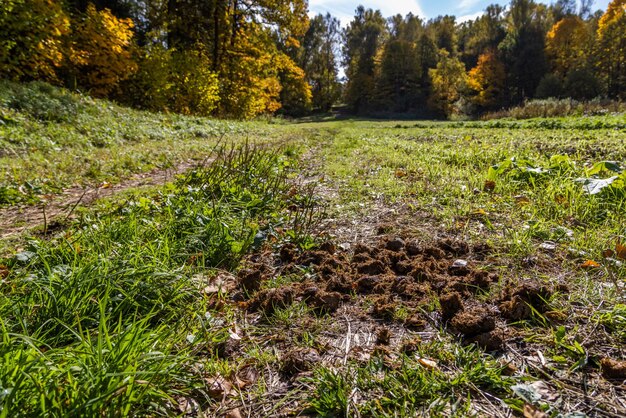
339	268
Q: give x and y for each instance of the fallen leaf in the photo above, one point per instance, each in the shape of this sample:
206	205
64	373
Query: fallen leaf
218	387
4	271
233	413
489	185
531	411
428	363
105	185
211	289
620	251
521	200
188	406
246	376
479	212
589	264
400	173
560	199
608	253
535	392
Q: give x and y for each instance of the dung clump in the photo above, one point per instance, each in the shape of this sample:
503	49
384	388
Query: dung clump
451	303
474	321
519	302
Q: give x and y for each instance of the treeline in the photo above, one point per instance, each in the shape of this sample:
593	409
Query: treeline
211	57
241	58
508	55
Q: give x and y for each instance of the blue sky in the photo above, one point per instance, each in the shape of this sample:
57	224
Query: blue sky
462	9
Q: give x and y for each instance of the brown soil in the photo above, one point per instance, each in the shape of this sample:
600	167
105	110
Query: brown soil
396	275
17	219
613	369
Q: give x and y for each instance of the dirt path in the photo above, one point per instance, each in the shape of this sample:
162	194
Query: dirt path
17	219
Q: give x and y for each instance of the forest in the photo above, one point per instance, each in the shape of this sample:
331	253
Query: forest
243	58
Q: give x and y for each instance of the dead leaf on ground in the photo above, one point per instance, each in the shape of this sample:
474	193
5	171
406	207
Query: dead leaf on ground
560	199
613	369
548	245
608	253
246	376
589	264
489	186
218	387
531	411
4	271
233	413
620	251
400	173
428	363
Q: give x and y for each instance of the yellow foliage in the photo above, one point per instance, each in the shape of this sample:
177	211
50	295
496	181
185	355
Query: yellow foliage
566	44
612	47
101	51
448	78
31	45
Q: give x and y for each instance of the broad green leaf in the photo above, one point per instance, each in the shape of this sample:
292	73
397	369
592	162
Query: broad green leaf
595	186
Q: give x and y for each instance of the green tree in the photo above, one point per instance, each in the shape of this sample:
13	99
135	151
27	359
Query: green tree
318	59
524	48
483	34
363	41
399	85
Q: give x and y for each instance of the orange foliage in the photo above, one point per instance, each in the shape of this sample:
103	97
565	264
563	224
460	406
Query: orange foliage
488	80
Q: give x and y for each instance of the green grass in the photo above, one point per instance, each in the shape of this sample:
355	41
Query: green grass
97	320
110	317
51	139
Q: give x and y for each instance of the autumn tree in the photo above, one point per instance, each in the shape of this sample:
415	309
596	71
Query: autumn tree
611	52
568	45
101	51
448	81
31	44
487	81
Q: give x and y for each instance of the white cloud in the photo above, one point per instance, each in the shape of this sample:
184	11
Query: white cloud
465	5
344	9
466	18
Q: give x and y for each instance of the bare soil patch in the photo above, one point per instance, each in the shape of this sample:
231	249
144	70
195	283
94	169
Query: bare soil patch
58	208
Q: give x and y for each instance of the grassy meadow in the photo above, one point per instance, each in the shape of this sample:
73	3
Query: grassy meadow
334	268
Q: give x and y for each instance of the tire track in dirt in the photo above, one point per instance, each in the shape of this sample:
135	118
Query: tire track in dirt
15	220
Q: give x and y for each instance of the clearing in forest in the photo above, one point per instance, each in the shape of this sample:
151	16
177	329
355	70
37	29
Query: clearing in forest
342	268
